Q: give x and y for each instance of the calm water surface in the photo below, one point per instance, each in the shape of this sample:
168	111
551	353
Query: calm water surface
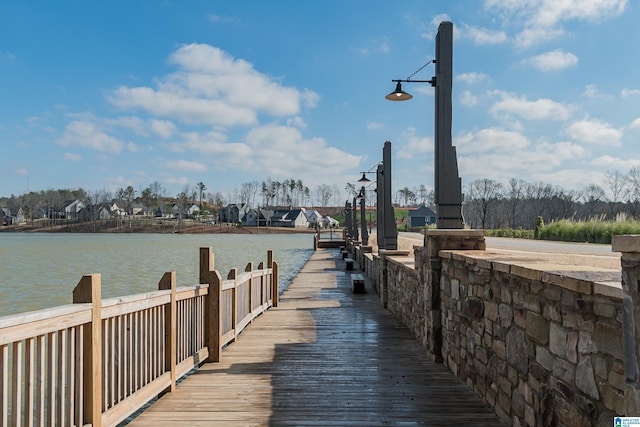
40	270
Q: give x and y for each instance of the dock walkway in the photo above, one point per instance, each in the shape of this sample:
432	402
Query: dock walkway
324	357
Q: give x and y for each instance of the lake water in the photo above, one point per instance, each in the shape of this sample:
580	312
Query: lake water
40	270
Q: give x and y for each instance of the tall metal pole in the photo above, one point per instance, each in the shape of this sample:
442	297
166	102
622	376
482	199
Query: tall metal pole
448	185
363	221
354	224
390	230
347	218
380	206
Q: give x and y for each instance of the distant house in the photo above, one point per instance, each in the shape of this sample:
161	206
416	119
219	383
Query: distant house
193	211
11	217
294	218
328	222
313	217
96	212
139	209
117	210
421	217
72	208
257	217
233	213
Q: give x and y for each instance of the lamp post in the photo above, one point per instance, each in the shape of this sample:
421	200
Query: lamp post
354	220
363	217
347	218
386	230
447	182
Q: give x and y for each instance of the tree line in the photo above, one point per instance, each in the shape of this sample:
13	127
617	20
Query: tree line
488	204
268	193
491	205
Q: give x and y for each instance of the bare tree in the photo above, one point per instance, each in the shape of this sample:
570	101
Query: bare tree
515	194
592	196
484	193
324	194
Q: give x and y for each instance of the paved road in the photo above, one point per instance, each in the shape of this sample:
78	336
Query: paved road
539	245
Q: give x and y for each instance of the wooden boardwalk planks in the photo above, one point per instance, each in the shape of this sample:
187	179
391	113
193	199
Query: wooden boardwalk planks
324	357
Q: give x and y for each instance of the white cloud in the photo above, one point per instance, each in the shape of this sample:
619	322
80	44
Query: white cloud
87	135
72	157
415	144
471	78
592	92
468	99
376	46
491	139
212	87
185	165
629	92
162	128
542	20
540	109
297	122
281	151
374	125
635	124
540	160
594	131
553	60
481	36
432	28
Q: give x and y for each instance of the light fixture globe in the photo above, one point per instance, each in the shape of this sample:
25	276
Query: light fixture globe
399	94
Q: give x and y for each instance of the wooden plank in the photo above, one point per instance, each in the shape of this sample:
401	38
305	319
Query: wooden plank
324	357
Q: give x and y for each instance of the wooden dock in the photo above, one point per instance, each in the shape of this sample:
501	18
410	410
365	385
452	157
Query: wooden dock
325	356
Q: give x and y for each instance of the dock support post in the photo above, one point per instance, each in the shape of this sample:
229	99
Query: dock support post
213	314
274	277
88	290
168	283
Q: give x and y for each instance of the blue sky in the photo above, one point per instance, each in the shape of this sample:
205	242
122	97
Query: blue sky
102	95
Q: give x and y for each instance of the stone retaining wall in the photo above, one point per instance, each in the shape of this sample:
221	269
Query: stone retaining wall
542	347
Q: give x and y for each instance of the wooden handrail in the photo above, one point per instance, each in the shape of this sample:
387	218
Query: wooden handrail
98	361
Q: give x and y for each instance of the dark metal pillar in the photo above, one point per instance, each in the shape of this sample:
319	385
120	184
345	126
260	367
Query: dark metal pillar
354	219
448	185
380	206
347	218
363	221
390	230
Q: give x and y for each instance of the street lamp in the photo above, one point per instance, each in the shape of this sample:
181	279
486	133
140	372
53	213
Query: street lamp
363	216
447	182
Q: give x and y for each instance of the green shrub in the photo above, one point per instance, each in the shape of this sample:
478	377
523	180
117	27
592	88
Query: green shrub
592	231
518	233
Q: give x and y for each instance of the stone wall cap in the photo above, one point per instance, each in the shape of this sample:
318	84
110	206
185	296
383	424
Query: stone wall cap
449	232
627	243
390	252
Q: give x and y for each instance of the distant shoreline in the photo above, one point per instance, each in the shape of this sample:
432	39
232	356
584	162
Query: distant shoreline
164	228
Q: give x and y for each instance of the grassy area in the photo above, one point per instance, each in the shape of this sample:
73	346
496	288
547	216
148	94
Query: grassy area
588	231
518	233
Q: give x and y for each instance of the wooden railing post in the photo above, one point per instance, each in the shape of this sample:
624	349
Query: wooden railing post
248	269
88	291
213	313
263	292
274	277
274	283
233	275
168	282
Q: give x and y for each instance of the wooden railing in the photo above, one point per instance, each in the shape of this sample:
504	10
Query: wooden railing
98	361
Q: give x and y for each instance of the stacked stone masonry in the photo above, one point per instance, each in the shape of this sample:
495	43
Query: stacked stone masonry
543	348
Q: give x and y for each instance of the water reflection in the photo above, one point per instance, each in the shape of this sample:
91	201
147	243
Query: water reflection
40	270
